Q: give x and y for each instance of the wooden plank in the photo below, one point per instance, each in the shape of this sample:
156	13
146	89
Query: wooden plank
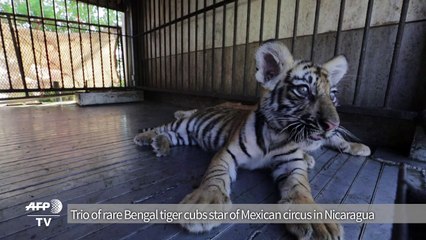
142	187
337	186
361	192
385	192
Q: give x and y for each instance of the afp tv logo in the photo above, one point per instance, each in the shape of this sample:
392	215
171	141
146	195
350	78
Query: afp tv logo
55	207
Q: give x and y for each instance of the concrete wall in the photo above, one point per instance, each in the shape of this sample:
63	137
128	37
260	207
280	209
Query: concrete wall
163	55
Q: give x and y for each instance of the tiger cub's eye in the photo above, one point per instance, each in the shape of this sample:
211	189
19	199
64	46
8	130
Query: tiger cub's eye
303	90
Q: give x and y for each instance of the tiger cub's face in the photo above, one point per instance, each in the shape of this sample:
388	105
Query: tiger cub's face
299	96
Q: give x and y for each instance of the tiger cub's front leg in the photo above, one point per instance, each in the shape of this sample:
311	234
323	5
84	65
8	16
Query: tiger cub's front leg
215	187
290	174
353	148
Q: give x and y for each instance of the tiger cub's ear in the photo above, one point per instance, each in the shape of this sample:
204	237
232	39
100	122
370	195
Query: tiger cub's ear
337	68
273	60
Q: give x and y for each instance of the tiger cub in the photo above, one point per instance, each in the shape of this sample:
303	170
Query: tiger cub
296	114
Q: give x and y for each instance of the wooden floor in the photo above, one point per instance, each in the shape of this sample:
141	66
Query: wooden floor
86	155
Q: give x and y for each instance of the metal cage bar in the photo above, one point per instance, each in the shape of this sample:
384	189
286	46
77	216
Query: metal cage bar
66	31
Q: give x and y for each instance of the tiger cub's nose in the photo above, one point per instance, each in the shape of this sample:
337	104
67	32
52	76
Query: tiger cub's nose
328	125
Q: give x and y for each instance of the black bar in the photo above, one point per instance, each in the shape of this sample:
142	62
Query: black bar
81	47
182	18
196	48
189	45
181	45
213	41
155	44
363	49
110	47
100	46
151	52
176	43
32	44
144	42
296	17
69	45
339	26
45	45
160	84
246	49
91	48
170	45
222	74
277	21
204	46
57	42
234	45
5	55
16	45
122	52
396	49
166	80
314	35
262	18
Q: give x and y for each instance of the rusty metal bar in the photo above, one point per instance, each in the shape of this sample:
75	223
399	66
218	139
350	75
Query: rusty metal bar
160	44
5	55
196	47
109	46
176	43
16	45
296	17
91	47
277	21
339	26
189	45
246	48
69	44
204	46
363	49
213	41
122	53
81	47
222	74
314	35
100	46
234	46
45	44
396	50
59	46
181	45
166	80
262	18
32	44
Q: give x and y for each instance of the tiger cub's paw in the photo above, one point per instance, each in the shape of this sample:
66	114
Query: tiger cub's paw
310	160
184	114
144	139
313	230
205	195
161	145
359	149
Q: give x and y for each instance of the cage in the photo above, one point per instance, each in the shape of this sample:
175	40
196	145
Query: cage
186	54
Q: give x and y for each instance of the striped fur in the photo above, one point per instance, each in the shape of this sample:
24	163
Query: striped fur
296	114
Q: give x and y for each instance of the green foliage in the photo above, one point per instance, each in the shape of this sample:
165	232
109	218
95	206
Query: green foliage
62	10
